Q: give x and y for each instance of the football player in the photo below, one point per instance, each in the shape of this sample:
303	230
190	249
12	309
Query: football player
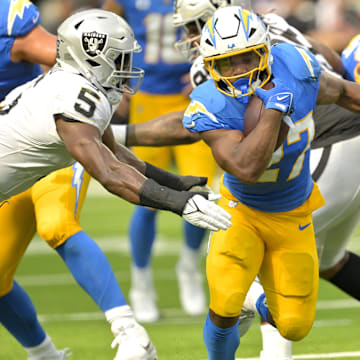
52	206
164	139
87	114
270	194
163	90
332	123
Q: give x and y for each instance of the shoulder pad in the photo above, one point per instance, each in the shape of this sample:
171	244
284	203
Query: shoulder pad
296	60
207	94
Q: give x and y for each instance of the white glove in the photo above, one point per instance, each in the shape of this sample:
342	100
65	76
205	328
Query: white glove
204	213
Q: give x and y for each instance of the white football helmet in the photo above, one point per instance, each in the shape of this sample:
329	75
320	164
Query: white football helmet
197	12
232	31
100	45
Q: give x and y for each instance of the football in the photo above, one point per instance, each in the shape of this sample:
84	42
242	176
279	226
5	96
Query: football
253	113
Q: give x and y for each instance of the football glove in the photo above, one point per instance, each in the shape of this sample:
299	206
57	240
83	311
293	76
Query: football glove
278	98
204	213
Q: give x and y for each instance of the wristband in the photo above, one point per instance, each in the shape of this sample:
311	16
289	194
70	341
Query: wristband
160	197
120	133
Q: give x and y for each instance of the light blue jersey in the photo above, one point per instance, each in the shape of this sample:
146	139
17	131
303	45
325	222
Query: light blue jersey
287	182
18	17
350	58
152	23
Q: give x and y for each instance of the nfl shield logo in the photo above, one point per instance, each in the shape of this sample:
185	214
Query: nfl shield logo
92	42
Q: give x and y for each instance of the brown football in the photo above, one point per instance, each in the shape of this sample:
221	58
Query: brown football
253	113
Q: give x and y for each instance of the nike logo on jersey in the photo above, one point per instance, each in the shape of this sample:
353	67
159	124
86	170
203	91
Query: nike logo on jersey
35	18
304	227
281	97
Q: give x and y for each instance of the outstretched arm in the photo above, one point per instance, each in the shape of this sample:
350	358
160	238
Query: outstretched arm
339	91
164	130
85	144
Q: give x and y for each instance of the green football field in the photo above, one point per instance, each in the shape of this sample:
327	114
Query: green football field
73	320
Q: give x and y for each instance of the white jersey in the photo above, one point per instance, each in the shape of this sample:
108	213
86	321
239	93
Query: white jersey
30	147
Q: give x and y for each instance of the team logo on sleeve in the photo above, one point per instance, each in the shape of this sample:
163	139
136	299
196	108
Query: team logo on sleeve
93	42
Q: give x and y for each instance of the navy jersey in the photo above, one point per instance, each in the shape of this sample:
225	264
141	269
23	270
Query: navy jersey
152	23
287	182
18	17
350	58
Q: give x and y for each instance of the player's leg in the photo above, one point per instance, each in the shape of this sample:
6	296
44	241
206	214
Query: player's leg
335	223
195	159
230	268
17	312
142	229
58	200
289	273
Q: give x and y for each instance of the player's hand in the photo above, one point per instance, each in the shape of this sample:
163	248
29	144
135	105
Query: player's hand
279	97
204	213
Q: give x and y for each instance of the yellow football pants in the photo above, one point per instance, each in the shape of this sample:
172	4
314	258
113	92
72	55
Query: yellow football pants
195	159
51	206
281	248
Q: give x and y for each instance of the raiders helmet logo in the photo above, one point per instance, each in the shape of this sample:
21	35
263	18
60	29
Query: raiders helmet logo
92	42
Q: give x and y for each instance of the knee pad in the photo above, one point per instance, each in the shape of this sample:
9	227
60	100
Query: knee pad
294	327
56	231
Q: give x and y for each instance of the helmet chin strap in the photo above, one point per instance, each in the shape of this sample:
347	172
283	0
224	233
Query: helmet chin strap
242	85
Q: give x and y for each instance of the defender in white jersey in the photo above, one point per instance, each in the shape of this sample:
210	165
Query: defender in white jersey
64	115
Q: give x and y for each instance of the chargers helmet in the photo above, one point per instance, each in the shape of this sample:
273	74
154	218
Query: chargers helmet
100	45
232	31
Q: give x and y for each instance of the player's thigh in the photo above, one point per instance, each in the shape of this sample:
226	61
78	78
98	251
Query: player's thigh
17	228
233	261
58	199
196	159
337	220
144	107
289	274
338	182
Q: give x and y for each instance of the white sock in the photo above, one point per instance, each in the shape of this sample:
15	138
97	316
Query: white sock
252	296
189	258
46	347
119	316
275	347
142	278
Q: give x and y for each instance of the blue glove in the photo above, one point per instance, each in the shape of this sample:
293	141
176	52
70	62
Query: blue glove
278	98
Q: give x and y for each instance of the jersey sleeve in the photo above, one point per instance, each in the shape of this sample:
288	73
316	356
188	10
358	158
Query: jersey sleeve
350	58
298	61
22	17
82	102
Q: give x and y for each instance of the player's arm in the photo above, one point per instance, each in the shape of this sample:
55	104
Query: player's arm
112	5
85	144
332	57
246	157
339	91
161	131
38	46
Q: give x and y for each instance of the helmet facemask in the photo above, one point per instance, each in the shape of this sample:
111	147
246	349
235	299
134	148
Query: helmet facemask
244	83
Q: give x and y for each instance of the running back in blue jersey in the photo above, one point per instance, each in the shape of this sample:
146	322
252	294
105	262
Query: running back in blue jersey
287	182
351	60
152	23
18	17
